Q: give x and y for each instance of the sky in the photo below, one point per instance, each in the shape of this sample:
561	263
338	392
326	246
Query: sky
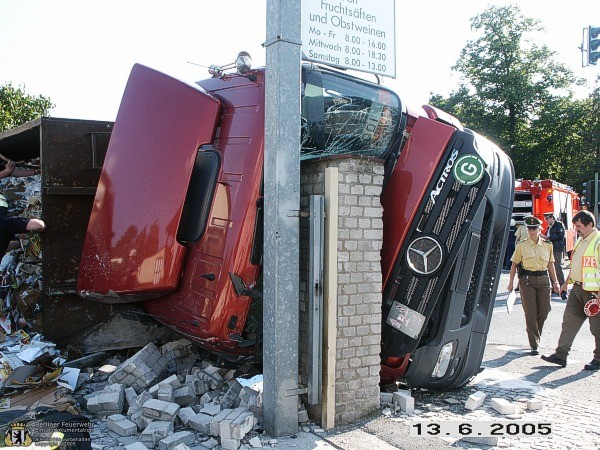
79	53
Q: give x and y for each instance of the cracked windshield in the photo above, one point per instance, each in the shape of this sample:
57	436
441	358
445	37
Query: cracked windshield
341	116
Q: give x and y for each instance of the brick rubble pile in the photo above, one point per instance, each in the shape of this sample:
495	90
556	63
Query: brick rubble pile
166	398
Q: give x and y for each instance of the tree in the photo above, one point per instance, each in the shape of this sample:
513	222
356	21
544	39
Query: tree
508	82
18	107
569	131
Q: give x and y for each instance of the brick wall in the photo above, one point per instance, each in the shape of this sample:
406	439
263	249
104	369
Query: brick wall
359	282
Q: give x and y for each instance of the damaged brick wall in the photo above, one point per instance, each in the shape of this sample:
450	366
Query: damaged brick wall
359	243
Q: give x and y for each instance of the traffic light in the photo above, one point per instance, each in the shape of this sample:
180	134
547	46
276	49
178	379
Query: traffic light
593	44
588	193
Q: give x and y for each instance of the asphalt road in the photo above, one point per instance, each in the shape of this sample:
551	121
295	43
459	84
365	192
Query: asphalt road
507	347
515	321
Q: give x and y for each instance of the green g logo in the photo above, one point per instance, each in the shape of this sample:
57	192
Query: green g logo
468	169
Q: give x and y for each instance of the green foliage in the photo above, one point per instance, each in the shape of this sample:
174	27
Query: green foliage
17	107
514	91
569	128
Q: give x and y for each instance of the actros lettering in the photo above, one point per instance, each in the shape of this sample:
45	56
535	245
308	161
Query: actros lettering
444	176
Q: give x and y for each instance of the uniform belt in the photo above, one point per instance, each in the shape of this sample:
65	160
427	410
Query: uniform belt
534	273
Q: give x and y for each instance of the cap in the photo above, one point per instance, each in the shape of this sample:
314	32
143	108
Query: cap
548	215
532	222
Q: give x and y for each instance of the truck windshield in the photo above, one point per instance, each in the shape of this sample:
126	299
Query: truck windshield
341	115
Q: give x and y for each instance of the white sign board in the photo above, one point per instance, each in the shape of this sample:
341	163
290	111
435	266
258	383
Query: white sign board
355	34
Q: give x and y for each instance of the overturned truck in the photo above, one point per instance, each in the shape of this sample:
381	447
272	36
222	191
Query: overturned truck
175	227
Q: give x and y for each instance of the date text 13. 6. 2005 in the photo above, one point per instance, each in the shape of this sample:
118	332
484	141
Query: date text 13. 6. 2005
480	428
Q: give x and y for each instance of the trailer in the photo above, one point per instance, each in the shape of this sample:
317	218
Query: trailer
71	154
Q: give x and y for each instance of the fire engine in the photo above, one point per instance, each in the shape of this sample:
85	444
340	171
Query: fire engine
539	197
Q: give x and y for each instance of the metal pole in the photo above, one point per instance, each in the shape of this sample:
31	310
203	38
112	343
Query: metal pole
281	220
595	194
315	298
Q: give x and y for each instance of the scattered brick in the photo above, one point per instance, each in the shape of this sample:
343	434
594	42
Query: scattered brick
141	370
136	446
121	425
154	432
174	439
208	397
212	409
185	414
184	396
534	405
165	392
214	424
405	401
138	418
200	422
475	400
255	442
230	444
226	425
503	406
160	410
108	401
241	425
386	398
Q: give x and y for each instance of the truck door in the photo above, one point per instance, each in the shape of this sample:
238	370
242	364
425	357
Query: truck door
131	250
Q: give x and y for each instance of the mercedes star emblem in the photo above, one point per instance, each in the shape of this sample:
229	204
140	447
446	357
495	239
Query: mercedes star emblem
424	255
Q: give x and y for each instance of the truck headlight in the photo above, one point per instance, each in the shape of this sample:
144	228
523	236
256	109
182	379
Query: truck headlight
443	361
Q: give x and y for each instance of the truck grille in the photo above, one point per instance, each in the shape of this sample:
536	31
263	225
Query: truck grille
445	219
488	265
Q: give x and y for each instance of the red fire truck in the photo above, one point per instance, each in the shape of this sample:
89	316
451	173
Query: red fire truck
541	197
177	218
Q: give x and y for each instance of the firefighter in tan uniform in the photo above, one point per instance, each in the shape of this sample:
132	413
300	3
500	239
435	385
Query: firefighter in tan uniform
536	260
583	301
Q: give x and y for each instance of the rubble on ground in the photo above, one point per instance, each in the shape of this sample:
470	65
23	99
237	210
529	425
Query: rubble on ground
469	403
32	379
160	397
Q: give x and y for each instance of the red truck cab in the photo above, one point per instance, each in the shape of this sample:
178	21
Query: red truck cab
176	226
